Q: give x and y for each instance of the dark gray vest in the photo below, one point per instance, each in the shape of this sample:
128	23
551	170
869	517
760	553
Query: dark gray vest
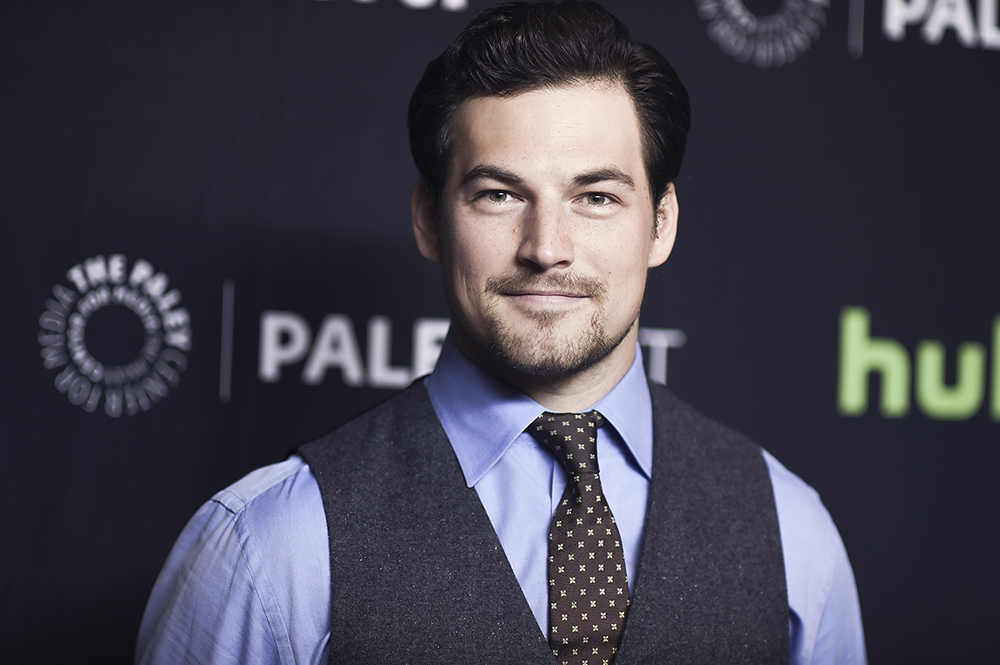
419	576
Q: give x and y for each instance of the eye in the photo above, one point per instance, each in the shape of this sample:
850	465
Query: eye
596	199
497	196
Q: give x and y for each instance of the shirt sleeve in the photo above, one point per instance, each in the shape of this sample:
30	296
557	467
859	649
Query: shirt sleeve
248	580
824	612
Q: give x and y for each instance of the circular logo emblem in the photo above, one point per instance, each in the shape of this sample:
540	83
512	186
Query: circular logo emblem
766	41
116	335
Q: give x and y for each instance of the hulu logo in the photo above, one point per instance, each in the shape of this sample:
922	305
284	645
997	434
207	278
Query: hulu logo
862	355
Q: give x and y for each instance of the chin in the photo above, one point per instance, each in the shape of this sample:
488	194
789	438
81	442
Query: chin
546	355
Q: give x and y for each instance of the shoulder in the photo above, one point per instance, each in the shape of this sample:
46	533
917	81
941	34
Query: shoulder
249	569
808	535
260	486
718	452
809	538
676	418
822	598
400	435
798	504
804	519
276	509
822	595
409	409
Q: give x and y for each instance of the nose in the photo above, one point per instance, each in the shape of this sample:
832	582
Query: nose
546	239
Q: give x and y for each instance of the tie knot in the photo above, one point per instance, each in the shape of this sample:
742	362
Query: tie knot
573	436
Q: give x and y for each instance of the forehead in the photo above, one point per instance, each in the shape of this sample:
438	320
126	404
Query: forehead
565	127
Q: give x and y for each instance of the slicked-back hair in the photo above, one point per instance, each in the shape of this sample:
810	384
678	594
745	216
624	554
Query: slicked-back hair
517	47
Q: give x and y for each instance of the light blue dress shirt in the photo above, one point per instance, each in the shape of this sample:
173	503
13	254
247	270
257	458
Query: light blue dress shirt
249	577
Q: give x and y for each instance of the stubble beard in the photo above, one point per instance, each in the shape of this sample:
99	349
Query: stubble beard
537	348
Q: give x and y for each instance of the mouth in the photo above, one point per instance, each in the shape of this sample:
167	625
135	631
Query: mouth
545	295
539	298
555	287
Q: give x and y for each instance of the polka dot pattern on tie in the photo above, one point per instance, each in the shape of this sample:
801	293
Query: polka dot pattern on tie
588	585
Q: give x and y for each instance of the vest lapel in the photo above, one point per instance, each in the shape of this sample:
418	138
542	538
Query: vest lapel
419	575
711	585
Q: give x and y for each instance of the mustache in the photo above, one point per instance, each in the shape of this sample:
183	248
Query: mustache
519	282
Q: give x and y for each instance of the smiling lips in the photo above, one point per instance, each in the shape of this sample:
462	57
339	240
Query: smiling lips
547	298
555	289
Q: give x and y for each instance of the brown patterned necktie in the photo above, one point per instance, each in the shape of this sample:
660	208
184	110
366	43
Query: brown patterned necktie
588	586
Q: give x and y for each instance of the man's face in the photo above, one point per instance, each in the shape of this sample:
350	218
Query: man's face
546	230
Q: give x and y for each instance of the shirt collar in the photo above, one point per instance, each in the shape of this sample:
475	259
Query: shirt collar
482	415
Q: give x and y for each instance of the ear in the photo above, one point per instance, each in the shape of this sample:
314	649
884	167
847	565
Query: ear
425	226
666	227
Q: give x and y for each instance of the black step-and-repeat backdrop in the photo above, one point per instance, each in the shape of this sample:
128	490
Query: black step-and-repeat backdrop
206	259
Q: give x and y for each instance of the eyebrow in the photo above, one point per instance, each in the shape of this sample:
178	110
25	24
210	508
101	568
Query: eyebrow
491	173
608	173
605	174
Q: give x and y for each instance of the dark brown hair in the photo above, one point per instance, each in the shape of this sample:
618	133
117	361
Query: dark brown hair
517	47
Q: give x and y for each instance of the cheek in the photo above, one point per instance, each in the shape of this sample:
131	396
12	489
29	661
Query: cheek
626	277
476	253
467	269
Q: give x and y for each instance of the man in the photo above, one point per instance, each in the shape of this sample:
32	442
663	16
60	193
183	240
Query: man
447	525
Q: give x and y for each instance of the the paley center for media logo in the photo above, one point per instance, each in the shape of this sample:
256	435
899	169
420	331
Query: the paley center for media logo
766	40
115	335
